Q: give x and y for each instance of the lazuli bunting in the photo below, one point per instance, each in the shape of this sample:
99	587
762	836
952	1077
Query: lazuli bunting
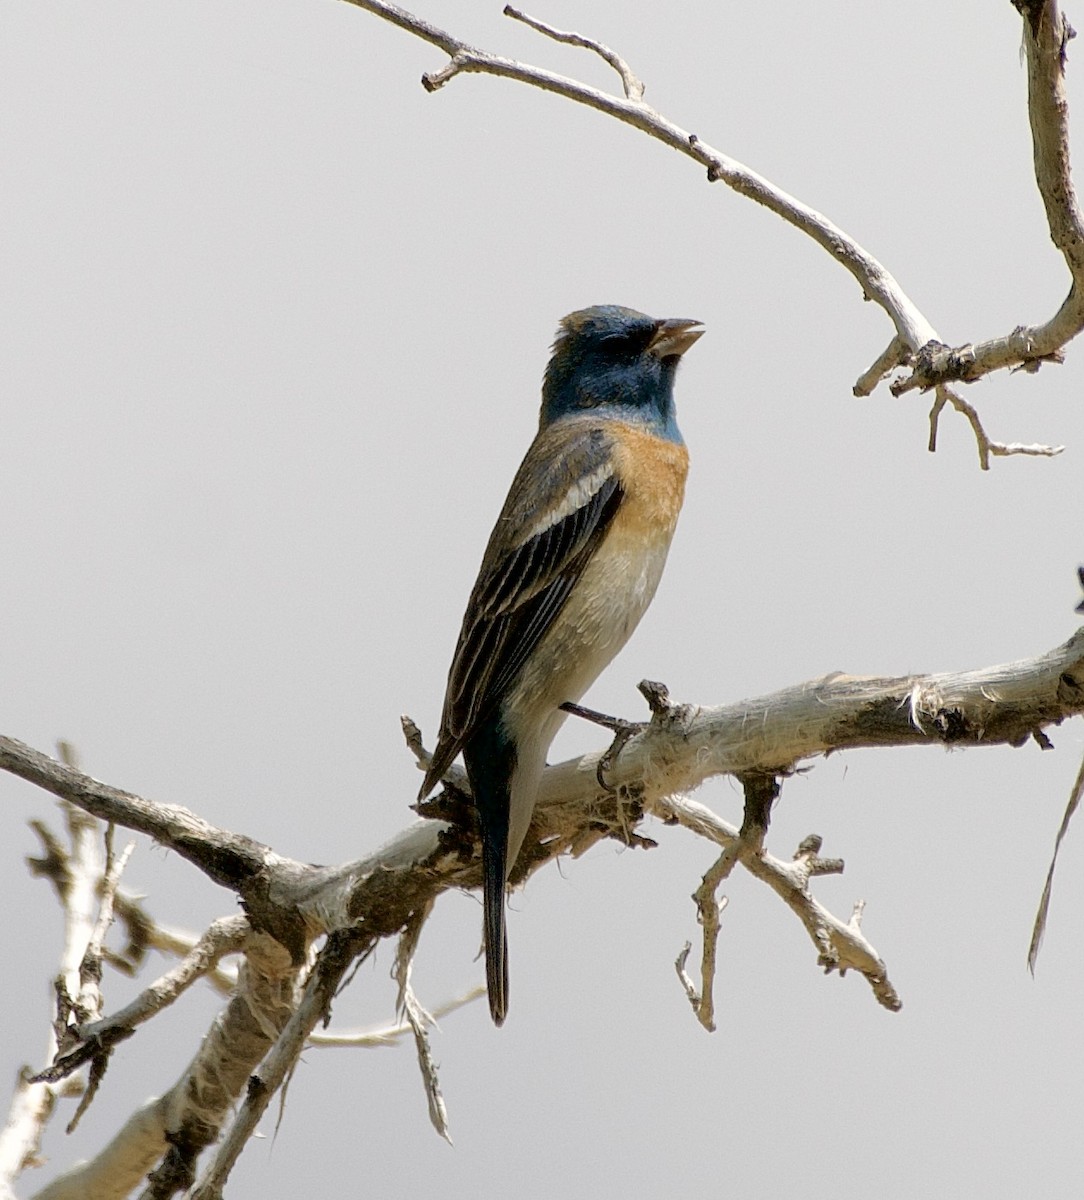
571	566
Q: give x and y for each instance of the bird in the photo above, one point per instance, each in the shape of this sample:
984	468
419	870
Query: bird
570	568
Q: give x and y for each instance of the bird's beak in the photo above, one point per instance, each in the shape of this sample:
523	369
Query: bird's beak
673	338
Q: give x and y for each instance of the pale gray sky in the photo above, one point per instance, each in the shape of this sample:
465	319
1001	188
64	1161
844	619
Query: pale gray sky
273	324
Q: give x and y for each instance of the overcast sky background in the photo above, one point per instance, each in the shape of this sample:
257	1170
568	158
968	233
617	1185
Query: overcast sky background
273	322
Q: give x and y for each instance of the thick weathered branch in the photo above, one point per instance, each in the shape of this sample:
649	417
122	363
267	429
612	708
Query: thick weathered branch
261	1032
680	748
336	958
173	1129
229	859
1001	705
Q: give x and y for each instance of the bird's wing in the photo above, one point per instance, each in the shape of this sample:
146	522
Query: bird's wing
560	506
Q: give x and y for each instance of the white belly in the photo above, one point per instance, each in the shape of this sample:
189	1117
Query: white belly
605	607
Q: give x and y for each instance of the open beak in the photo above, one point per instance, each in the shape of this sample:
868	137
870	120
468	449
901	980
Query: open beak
672	338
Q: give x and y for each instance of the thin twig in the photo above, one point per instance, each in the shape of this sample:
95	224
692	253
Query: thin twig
419	1021
390	1035
177	943
89	1003
225	936
681	967
633	87
709	911
1039	927
984	444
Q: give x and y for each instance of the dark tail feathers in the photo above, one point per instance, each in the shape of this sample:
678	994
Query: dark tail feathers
496	940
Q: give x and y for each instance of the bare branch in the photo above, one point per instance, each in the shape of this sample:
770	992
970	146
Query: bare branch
75	871
256	1041
173	1129
419	1021
985	445
941	396
225	936
227	858
840	944
415	25
680	966
916	342
89	1002
709	910
1045	38
761	792
994	705
876	282
680	748
121	1164
94	1042
177	943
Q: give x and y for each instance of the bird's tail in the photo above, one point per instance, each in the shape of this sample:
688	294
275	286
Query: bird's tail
494	852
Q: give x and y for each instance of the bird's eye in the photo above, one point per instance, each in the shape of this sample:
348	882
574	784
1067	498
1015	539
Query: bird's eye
617	345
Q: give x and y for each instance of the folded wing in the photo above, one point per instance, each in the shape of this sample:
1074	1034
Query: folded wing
558	510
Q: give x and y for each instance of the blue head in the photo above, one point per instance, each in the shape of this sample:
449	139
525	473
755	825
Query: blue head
619	363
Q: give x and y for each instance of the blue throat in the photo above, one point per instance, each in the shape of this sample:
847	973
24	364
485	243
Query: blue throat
640	392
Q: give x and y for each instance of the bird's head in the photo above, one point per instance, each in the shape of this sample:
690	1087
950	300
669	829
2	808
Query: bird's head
619	362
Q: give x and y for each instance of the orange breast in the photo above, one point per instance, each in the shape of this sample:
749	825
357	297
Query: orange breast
652	473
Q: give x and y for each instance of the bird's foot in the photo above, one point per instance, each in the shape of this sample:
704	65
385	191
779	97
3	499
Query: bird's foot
622	730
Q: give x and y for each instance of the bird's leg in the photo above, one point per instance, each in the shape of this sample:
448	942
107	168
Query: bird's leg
622	730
